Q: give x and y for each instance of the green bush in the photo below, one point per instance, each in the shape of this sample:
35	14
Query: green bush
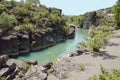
97	38
7	20
2	7
116	11
2	78
107	75
29	27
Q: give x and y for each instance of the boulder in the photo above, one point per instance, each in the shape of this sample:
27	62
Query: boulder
76	53
79	52
12	75
47	65
3	60
19	64
35	73
32	62
4	72
72	54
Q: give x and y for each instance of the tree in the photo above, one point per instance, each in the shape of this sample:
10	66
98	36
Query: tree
97	38
7	20
2	7
116	11
35	2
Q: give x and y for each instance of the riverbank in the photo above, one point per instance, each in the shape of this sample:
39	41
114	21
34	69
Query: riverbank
88	64
63	47
77	65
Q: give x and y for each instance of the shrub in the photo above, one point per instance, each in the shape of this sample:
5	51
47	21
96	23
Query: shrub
7	20
29	27
116	11
107	75
2	7
97	38
2	78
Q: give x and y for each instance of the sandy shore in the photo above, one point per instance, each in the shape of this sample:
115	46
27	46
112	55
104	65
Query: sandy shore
69	68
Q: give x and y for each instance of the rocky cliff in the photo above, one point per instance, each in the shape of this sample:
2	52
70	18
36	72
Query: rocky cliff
98	18
15	42
25	26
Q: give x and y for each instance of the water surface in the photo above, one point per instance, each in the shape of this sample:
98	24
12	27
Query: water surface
64	47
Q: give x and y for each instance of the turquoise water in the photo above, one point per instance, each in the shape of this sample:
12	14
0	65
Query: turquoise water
61	48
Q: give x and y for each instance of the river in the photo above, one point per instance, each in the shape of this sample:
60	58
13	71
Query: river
64	47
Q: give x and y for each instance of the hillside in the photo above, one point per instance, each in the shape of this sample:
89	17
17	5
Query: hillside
26	26
95	18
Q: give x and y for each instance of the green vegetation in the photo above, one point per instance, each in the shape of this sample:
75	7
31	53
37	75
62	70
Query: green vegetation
77	20
2	78
98	37
7	20
107	75
82	67
30	15
51	58
116	11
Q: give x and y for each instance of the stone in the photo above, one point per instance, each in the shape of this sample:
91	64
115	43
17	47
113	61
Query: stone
35	73
72	54
32	62
19	64
79	52
3	60
47	65
4	72
12	75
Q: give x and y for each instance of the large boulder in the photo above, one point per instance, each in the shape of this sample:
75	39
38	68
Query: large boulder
35	73
32	62
47	65
19	64
4	72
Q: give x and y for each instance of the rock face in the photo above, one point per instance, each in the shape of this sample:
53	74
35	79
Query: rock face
15	42
71	32
13	69
98	18
35	73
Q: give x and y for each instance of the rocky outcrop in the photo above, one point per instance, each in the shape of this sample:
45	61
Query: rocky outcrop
35	73
13	69
71	32
98	18
15	42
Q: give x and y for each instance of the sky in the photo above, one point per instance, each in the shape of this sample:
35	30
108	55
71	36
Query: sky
77	7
